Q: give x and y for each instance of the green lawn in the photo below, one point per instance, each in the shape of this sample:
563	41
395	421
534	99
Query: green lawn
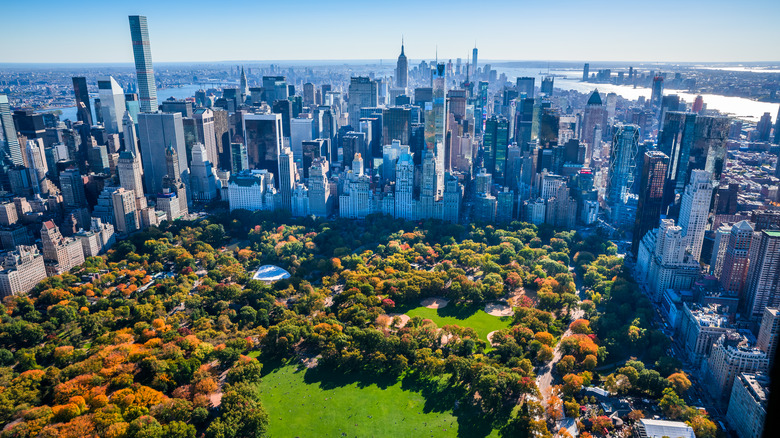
304	403
475	318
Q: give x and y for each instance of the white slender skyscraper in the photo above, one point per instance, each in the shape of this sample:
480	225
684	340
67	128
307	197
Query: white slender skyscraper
695	210
112	104
147	89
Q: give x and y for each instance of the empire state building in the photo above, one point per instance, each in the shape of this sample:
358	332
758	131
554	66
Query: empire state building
402	69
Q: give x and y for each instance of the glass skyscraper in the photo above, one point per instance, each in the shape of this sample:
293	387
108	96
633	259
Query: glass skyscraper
147	89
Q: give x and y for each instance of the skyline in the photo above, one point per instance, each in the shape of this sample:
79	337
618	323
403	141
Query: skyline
324	32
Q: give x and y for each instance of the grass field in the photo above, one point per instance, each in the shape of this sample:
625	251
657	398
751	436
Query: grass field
464	317
303	403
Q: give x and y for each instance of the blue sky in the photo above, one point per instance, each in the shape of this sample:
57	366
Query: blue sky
600	30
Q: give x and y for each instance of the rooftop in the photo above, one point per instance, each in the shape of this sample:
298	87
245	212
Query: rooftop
662	428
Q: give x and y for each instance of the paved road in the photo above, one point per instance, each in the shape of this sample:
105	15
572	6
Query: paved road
544	378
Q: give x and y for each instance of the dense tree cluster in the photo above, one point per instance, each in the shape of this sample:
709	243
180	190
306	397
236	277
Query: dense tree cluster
164	336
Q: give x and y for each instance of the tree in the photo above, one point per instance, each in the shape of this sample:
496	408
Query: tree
671	404
680	382
572	384
601	424
703	427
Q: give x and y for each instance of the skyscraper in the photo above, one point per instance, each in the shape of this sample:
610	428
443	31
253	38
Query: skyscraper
402	69
156	132
763	281
436	124
147	89
525	85
692	142
622	163
595	115
9	142
735	261
363	93
263	138
695	210
651	195
657	92
204	124
585	72
495	144
474	62
764	127
112	104
83	108
547	85
203	178
286	178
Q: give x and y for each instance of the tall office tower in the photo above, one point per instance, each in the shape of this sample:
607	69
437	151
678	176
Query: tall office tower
622	163
301	130
275	88
263	138
524	121
284	108
9	142
763	282
397	124
156	132
525	85
112	103
436	125
203	176
764	127
125	212
595	115
457	103
83	108
147	89
657	92
320	203
402	69
172	182
131	135
495	144
586	72
287	178
428	187
474	70
238	158
72	186
547	85
651	195
308	94
453	195
363	93
692	142
352	143
735	260
695	210
769	333
204	124
243	86
130	177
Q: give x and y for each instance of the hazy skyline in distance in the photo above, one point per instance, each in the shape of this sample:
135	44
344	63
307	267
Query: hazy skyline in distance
200	31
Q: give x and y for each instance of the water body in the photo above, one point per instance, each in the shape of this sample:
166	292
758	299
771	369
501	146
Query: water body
739	107
178	93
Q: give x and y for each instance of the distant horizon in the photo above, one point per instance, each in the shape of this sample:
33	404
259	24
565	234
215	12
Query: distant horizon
412	62
670	31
